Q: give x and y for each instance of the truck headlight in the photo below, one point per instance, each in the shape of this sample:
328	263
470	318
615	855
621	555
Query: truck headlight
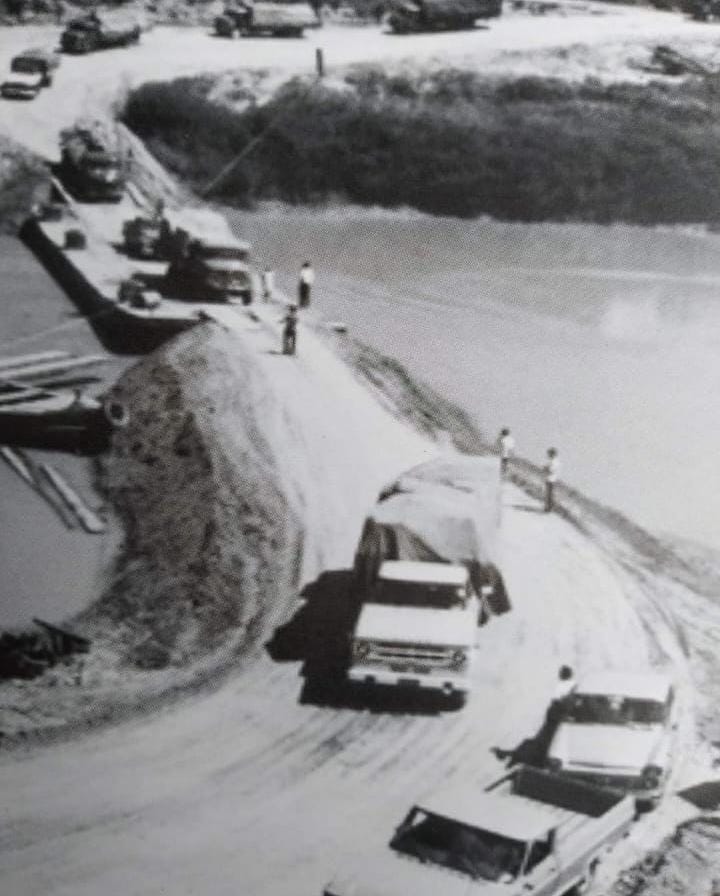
651	776
360	650
459	659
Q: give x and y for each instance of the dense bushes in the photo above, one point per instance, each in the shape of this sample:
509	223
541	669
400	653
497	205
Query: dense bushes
453	143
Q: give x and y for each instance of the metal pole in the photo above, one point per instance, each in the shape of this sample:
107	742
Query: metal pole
319	62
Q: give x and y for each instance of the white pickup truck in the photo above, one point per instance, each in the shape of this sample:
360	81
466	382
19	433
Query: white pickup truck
532	833
417	628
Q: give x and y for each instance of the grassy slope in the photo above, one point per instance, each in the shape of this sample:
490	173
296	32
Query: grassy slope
24	180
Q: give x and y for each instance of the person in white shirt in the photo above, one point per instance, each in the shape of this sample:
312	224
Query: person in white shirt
506	448
552	474
267	281
307	278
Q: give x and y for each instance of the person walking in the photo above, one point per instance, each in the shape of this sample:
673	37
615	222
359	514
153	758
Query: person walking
289	333
552	474
307	278
506	448
267	282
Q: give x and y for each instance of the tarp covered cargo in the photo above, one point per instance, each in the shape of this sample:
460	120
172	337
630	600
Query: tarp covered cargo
445	510
442	8
289	15
108	20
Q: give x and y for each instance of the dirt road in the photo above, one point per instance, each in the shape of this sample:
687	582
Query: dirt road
257	789
254	790
603	41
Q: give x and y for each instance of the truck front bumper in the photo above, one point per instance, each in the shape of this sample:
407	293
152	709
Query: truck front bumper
444	681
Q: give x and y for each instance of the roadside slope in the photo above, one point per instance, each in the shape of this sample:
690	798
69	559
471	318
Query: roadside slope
263	788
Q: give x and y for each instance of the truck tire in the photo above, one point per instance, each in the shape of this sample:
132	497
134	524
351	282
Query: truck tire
224	26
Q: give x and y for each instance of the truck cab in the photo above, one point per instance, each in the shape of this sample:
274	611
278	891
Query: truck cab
417	628
211	271
616	731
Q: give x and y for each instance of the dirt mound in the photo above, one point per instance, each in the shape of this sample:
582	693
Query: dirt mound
210	531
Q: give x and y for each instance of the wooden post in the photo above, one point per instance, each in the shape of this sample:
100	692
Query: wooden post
319	62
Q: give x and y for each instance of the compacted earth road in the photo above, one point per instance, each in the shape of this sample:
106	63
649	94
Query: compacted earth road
261	788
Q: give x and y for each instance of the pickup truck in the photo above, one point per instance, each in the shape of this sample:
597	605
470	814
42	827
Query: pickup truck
532	833
30	71
427	574
417	628
616	731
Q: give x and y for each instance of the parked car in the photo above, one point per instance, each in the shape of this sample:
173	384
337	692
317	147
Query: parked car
616	730
30	71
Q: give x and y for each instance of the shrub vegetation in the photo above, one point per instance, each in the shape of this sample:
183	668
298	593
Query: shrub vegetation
452	143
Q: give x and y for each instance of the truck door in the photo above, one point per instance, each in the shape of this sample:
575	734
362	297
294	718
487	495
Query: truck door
542	872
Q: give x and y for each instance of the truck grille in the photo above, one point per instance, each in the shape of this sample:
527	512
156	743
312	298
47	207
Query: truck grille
401	657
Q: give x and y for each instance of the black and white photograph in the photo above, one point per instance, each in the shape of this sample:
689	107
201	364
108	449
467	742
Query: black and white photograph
359	448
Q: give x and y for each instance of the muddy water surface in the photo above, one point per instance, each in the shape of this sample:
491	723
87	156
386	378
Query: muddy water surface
603	341
46	570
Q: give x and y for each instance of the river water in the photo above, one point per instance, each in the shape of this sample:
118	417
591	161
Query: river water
601	341
46	569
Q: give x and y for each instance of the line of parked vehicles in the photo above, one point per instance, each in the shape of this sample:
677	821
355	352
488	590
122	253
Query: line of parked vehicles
428	579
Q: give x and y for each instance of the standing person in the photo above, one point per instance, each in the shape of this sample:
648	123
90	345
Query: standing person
289	333
267	281
552	474
506	448
307	278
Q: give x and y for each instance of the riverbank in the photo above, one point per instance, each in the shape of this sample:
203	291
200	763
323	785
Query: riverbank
518	149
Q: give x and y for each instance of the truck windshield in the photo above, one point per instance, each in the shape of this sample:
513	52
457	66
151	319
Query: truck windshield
605	710
477	853
419	594
236	253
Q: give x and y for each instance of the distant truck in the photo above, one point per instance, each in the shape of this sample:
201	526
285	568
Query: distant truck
530	832
408	16
616	731
148	237
100	30
91	164
209	270
280	19
427	574
30	71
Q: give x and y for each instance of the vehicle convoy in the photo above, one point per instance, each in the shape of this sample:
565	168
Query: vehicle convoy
280	19
530	832
426	572
616	731
209	270
91	163
100	30
440	15
30	71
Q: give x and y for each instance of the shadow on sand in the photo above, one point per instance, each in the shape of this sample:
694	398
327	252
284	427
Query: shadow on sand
319	636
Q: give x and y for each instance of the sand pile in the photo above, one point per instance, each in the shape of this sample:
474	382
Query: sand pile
209	529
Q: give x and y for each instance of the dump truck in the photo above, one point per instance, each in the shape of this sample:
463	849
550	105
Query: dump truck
30	71
280	19
427	573
209	269
100	30
91	163
408	16
529	832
